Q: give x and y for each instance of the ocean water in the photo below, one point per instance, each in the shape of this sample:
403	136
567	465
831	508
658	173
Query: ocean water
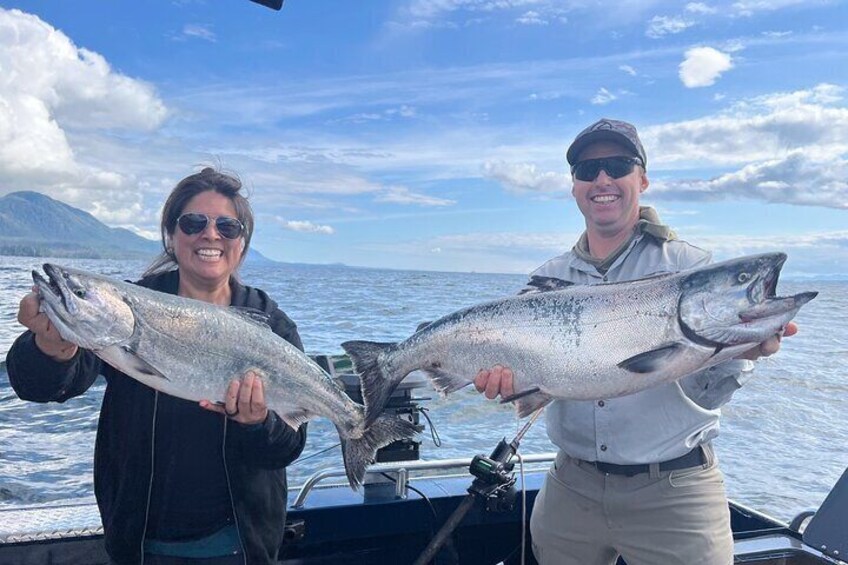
783	436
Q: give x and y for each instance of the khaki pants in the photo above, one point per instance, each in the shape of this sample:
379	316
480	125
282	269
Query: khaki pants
585	517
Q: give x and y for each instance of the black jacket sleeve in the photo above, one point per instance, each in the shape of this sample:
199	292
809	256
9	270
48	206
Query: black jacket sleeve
36	377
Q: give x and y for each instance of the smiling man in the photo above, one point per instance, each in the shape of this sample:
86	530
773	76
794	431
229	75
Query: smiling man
636	475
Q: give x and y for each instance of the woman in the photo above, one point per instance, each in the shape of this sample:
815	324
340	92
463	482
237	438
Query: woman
177	482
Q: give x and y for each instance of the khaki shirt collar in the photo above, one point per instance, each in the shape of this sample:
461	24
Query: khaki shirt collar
649	223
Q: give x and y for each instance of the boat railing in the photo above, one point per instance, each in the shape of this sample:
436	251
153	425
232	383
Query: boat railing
401	471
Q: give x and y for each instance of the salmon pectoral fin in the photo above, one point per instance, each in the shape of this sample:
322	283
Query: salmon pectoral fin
518	395
295	418
443	381
529	401
653	360
124	359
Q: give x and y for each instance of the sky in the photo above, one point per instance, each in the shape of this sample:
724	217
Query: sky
431	134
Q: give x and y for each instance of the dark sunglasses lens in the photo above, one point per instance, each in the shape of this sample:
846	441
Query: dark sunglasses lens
192	223
616	167
587	170
229	228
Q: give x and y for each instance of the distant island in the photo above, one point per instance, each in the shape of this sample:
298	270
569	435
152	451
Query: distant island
34	225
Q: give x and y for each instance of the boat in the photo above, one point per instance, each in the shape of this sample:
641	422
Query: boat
449	511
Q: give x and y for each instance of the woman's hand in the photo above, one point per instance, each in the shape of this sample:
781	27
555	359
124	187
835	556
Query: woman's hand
47	337
244	400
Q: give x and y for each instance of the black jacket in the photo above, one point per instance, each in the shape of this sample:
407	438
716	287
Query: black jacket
255	459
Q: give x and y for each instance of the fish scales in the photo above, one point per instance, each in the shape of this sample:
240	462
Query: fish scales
200	347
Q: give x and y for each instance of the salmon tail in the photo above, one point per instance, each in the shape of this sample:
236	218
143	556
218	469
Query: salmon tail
359	452
377	387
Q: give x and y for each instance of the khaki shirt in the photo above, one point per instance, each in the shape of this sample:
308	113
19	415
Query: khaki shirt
659	423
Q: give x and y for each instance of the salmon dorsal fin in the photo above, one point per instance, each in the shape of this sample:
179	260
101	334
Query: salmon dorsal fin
538	283
653	360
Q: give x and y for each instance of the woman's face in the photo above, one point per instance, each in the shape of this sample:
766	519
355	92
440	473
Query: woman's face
207	258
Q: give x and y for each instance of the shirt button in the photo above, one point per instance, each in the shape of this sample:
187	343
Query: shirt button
603	447
601	403
605	279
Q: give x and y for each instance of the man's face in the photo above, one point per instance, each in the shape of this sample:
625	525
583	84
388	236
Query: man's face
610	206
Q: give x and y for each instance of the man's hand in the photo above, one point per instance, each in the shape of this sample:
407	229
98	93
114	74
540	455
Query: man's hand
244	400
495	381
47	337
771	345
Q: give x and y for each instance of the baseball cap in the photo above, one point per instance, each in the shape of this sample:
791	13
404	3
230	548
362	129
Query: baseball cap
607	130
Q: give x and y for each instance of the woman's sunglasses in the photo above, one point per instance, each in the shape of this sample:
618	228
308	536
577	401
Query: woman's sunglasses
616	167
193	223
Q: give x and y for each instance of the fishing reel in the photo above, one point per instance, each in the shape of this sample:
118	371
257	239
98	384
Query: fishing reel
494	482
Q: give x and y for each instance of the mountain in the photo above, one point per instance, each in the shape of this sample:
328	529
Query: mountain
33	224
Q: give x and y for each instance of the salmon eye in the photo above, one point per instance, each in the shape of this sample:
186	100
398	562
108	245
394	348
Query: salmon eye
743	277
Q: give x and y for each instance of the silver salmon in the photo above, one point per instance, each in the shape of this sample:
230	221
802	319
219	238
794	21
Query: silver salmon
590	341
192	349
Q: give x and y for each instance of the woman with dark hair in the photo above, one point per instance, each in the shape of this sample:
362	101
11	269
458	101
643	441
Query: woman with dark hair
177	482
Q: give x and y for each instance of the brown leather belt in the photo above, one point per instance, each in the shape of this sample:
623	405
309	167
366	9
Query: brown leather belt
694	458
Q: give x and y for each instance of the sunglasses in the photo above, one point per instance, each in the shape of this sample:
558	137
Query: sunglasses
194	223
616	167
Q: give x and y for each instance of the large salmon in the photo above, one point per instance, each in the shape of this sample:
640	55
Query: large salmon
591	341
193	349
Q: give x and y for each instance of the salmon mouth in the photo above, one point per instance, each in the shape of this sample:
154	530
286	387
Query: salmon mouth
762	294
53	289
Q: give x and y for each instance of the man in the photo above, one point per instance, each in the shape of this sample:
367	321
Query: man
634	476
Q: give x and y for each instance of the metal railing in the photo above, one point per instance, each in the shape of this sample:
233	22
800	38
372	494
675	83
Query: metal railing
403	468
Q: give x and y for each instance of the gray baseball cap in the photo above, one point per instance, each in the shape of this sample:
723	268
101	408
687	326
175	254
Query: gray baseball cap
607	130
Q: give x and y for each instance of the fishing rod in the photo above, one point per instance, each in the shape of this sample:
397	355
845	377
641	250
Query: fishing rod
493	484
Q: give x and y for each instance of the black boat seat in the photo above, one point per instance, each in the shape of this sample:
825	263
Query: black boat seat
776	549
827	530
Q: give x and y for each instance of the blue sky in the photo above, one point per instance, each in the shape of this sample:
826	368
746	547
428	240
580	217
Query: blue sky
430	134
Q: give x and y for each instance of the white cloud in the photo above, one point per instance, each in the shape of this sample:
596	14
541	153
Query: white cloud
52	92
304	226
821	94
660	26
403	111
402	195
628	69
199	31
799	179
457	14
532	18
748	8
700	8
526	178
703	65
777	34
603	96
756	130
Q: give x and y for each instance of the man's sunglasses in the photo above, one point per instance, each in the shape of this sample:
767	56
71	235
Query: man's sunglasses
193	223
616	167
